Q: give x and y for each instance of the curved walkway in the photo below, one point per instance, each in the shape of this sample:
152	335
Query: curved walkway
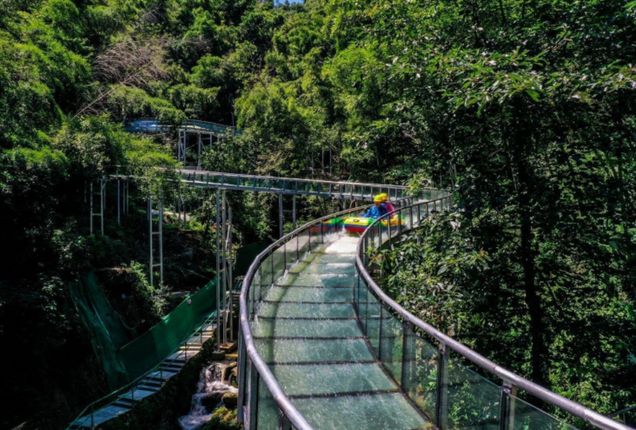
323	347
307	332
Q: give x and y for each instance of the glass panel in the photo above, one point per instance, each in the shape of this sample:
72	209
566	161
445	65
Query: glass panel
266	274
392	342
279	263
379	411
318	379
373	323
305	294
473	401
267	414
307	310
306	328
313	350
420	373
524	416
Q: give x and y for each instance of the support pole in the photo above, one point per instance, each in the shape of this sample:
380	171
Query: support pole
441	410
280	215
294	212
218	270
161	240
199	143
118	201
91	207
179	150
231	311
224	267
185	147
102	197
150	262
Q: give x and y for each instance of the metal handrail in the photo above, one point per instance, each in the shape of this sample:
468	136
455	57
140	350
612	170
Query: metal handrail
282	178
580	411
287	409
130	387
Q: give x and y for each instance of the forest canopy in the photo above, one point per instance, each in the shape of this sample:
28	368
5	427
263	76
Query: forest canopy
526	108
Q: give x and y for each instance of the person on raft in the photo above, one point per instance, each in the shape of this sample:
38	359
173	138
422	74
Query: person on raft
387	204
377	210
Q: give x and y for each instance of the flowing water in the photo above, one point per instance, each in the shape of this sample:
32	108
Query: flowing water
209	391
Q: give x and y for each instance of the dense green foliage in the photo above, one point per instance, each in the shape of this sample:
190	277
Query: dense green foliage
527	107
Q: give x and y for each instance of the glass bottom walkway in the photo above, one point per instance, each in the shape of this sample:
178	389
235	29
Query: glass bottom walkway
306	330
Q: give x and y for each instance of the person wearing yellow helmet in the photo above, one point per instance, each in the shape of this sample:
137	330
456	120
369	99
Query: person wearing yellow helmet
377	210
385	199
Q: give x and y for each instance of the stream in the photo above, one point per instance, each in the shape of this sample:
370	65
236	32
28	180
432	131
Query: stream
213	383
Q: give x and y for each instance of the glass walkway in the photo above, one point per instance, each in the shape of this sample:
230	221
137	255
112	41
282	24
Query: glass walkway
307	332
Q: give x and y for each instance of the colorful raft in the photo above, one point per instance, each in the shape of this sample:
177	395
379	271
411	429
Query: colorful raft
360	224
327	226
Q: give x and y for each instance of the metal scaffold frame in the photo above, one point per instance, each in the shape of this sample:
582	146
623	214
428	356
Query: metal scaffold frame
151	234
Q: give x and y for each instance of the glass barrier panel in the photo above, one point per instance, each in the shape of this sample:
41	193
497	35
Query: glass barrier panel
391	344
267	278
267	414
250	295
420	373
303	243
373	320
316	237
362	293
290	254
279	266
524	416
473	401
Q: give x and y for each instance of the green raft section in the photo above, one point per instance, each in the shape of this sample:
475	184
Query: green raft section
307	332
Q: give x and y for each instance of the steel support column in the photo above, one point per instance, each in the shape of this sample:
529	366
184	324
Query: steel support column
224	267
218	270
280	216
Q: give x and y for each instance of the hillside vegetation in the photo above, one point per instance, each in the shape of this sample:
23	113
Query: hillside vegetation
525	107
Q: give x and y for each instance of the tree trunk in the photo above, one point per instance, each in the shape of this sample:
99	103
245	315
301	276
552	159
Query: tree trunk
522	150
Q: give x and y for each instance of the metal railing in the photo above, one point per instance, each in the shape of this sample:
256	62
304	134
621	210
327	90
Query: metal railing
451	395
86	418
270	265
154	125
291	186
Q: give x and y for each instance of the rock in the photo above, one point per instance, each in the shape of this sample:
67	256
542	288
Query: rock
230	400
217	356
229	347
211	402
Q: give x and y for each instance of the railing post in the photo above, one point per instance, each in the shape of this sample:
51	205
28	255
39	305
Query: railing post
507	406
218	270
322	233
388	229
92	415
405	336
380	333
283	422
253	402
118	201
441	406
280	215
294	212
241	375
